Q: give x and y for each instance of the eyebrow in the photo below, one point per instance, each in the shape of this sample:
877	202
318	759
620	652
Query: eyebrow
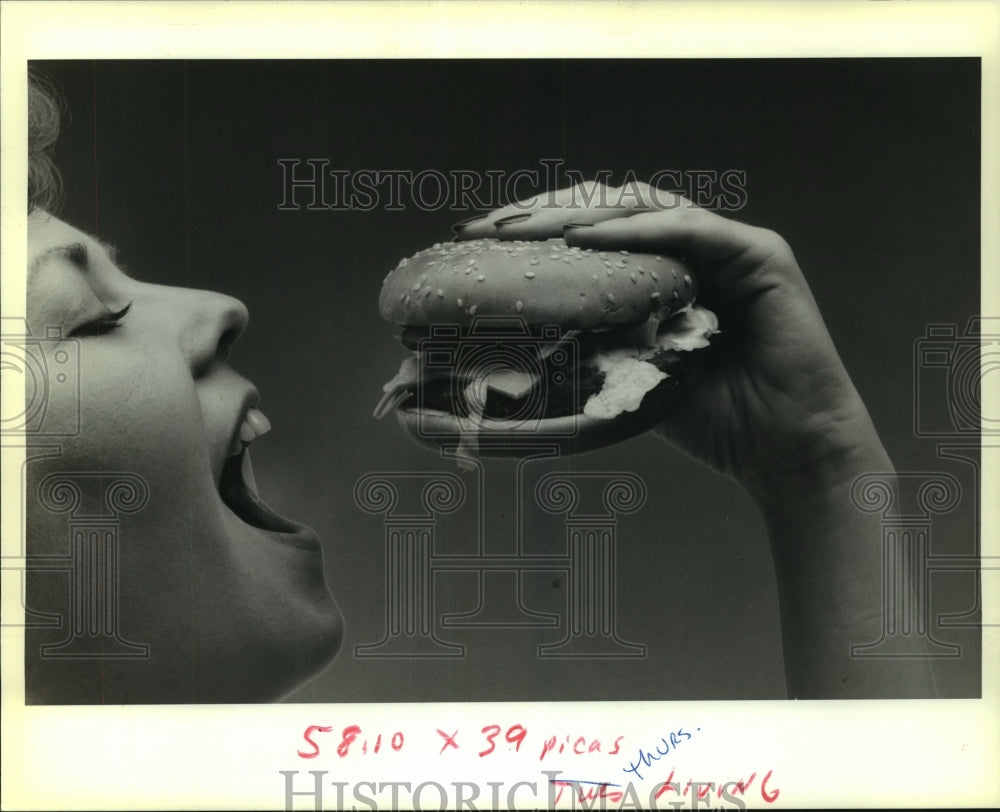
76	253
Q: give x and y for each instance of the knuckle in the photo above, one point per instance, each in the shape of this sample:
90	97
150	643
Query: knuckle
773	244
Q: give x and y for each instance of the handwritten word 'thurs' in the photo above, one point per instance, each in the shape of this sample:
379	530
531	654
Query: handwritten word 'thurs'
666	745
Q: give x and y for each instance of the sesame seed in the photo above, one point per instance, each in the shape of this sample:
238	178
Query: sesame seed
472	310
403	262
480	278
427	292
459	302
440	293
519	306
687	279
611	298
472	261
436	246
634	278
407	299
654	295
534	260
659	259
423	279
623	253
402	296
655	275
594	277
468	270
676	295
641	270
620	264
611	271
529	274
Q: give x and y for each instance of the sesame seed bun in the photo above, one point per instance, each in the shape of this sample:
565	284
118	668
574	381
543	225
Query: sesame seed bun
542	282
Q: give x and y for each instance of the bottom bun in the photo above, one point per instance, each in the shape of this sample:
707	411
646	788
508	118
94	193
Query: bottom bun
571	434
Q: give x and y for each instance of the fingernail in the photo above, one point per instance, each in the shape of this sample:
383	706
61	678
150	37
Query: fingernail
468	222
514	218
568	226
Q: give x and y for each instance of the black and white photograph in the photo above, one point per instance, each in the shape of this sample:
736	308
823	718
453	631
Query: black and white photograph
608	481
385	382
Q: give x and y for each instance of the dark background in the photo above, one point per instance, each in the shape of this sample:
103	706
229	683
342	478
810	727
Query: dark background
868	167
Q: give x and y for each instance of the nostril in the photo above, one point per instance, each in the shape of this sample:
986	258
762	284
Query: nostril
226	341
212	326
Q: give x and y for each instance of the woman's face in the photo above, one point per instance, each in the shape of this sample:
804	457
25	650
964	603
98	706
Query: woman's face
229	597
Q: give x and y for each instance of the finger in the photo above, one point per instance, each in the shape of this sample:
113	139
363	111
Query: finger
549	222
698	235
484	225
544	216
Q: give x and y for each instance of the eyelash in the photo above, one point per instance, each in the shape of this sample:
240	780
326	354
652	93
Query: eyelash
103	325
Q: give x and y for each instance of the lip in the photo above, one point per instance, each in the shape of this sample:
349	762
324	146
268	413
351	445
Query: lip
250	400
304	538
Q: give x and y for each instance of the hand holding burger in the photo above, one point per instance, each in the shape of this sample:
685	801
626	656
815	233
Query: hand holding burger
773	407
773	397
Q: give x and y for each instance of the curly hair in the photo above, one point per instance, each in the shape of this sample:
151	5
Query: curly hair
44	113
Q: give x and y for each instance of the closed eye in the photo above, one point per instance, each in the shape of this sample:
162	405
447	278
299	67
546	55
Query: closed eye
103	325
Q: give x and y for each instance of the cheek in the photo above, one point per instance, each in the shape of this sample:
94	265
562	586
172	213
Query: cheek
138	411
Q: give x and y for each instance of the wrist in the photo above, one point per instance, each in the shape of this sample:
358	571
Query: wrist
819	488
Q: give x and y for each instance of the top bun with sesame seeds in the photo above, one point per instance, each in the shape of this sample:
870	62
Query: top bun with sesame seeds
542	282
519	345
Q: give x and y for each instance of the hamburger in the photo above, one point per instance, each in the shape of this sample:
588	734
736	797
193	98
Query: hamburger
521	345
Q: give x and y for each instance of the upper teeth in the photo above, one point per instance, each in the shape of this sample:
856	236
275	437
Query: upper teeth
253	426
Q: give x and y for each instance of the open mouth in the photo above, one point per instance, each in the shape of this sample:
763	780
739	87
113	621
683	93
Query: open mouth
239	493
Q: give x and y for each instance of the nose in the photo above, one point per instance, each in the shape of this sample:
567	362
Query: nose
210	327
